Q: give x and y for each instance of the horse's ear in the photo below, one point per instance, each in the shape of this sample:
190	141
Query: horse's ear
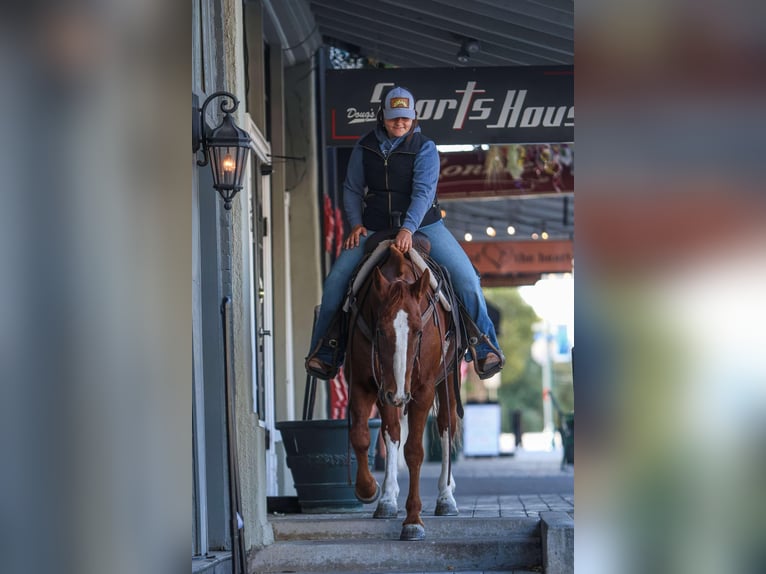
420	286
379	281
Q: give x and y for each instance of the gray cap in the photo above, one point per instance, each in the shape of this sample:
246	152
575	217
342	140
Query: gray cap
399	103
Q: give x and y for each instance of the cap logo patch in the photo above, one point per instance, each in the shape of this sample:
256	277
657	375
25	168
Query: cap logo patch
399	103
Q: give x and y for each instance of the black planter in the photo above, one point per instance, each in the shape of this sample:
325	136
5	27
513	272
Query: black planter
318	453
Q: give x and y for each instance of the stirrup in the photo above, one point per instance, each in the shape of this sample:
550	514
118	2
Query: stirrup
329	373
332	365
472	343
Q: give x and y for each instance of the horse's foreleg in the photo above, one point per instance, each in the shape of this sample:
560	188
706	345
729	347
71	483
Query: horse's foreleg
413	529
391	431
446	423
367	489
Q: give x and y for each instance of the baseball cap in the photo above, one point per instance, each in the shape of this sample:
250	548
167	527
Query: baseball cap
399	103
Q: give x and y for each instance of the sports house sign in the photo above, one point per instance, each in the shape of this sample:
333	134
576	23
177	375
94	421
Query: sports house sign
526	104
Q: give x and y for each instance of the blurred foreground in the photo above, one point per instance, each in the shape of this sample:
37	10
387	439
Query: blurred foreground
95	342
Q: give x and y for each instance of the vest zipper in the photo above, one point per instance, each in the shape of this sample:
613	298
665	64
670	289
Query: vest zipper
388	191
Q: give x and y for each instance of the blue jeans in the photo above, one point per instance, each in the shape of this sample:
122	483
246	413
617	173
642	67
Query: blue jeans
445	250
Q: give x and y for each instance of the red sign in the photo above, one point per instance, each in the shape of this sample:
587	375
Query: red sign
507	170
499	258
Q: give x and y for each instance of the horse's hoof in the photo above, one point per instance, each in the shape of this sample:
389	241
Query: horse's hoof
412	532
446	508
373	498
386	509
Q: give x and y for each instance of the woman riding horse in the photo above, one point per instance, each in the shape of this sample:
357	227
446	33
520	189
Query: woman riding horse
392	173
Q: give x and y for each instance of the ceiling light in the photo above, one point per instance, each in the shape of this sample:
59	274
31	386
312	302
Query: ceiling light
511	230
468	237
535	235
467	47
544	235
449	148
471	46
491	231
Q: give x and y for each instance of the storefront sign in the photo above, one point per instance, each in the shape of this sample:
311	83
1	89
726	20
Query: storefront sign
519	104
497	258
507	170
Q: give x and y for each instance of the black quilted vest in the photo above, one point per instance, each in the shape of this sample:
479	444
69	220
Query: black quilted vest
389	183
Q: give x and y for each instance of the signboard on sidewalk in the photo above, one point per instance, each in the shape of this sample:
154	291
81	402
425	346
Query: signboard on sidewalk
513	104
481	429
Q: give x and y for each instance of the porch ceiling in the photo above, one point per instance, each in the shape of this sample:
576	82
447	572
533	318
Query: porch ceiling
429	33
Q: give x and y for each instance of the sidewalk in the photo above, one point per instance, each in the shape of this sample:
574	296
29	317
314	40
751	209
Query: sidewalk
516	517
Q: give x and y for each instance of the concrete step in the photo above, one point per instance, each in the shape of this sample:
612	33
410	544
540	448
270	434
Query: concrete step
507	553
365	527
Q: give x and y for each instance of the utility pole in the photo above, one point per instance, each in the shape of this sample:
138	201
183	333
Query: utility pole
542	355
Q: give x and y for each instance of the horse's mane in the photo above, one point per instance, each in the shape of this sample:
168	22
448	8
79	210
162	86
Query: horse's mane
400	284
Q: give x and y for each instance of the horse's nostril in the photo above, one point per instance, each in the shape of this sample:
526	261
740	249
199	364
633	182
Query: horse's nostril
390	398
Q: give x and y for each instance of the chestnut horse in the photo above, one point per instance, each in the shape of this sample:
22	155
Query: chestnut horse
400	356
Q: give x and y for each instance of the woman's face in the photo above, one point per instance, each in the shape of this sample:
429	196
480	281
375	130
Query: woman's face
397	127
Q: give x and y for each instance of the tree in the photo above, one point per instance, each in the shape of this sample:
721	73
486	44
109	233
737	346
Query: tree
516	320
523	394
521	378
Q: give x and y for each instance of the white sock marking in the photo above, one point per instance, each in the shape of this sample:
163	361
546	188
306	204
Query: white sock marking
446	484
445	462
390	481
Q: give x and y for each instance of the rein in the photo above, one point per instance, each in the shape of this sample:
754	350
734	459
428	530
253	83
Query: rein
446	392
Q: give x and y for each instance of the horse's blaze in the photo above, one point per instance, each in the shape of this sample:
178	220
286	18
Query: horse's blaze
402	332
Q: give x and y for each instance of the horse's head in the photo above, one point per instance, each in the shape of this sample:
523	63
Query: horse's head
398	331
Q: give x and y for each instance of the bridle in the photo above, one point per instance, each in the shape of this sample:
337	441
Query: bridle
373	334
375	361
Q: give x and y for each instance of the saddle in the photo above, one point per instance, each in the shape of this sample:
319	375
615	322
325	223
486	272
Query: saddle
376	250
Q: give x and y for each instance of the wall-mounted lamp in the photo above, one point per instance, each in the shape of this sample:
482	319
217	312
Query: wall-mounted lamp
467	47
225	147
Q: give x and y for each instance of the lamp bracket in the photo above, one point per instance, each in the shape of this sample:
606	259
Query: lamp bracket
295	157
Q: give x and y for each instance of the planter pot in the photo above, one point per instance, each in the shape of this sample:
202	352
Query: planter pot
317	454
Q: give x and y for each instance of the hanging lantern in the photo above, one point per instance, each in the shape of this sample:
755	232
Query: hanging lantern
225	148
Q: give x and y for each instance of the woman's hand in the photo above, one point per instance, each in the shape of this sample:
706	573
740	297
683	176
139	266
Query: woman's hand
353	238
403	240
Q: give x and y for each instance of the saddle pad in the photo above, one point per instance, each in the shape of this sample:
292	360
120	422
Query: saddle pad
375	257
